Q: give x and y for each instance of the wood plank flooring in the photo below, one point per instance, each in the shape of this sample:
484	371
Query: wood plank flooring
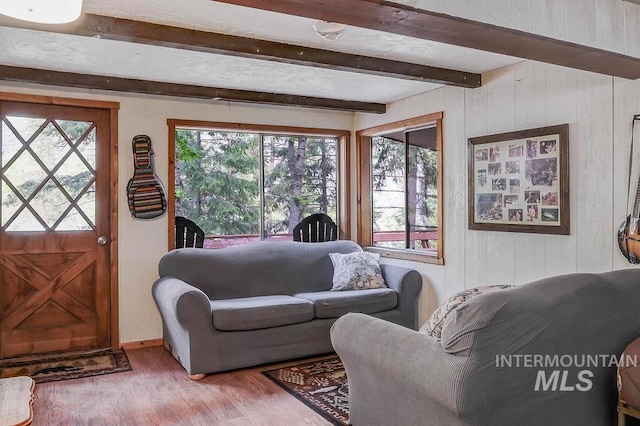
159	392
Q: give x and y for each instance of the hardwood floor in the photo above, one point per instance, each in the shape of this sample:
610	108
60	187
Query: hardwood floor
159	392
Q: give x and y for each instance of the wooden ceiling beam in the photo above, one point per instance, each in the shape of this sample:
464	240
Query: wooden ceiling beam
405	20
100	82
109	28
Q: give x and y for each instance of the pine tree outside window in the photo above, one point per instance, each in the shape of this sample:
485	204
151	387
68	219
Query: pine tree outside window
246	186
400	189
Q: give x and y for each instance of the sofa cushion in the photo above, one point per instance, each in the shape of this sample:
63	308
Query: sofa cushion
332	304
356	271
251	313
433	326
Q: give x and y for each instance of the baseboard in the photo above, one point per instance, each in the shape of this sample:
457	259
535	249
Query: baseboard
142	344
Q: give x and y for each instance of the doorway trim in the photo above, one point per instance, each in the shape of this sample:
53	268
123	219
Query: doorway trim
113	108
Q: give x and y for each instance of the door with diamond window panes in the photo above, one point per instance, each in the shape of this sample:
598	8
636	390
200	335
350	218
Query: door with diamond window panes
54	229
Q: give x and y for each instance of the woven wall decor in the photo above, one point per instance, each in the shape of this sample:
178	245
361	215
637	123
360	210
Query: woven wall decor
145	193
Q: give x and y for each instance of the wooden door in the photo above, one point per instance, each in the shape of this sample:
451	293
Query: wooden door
54	235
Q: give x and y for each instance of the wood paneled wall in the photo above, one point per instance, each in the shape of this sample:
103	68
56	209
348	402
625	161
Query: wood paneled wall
599	110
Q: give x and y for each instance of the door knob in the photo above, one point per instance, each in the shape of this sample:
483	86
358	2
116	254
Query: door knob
102	240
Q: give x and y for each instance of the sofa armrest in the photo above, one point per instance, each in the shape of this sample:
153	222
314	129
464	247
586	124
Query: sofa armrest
182	301
186	317
408	284
396	375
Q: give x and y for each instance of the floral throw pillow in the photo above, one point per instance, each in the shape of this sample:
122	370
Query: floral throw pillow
356	271
433	327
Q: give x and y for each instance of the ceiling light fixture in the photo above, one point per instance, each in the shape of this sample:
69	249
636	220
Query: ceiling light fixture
329	30
42	11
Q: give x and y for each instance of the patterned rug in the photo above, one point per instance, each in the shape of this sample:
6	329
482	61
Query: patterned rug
64	367
321	385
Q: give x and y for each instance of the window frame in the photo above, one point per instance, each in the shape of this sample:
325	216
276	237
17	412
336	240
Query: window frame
364	234
343	163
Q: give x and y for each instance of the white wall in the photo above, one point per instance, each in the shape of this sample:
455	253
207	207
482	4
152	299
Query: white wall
599	110
143	242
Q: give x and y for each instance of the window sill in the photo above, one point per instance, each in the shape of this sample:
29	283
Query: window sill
410	255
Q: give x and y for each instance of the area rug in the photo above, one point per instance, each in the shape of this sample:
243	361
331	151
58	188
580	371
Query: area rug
64	367
321	385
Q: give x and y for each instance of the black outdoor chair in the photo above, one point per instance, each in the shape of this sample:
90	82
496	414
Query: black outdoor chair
316	228
188	233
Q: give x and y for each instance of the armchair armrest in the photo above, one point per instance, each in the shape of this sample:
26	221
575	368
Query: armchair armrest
396	375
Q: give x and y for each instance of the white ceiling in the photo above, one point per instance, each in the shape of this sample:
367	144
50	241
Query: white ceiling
60	52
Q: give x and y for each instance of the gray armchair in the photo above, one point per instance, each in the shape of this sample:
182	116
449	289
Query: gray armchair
401	377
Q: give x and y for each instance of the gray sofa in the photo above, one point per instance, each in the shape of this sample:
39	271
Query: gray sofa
401	377
265	302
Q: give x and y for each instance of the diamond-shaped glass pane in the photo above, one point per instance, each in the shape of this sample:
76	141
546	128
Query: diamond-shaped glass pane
50	146
88	148
50	203
73	129
74	175
25	126
25	174
10	204
10	144
87	204
25	222
73	221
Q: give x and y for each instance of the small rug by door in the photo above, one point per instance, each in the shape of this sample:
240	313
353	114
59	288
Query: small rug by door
69	366
321	385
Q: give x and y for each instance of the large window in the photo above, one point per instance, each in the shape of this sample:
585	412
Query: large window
254	184
401	188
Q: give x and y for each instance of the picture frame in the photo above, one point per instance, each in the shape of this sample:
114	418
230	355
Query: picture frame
519	181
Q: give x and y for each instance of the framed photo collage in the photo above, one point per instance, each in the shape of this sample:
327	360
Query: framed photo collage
519	181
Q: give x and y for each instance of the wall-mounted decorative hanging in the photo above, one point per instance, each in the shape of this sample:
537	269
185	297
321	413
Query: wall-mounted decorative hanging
519	181
145	194
629	231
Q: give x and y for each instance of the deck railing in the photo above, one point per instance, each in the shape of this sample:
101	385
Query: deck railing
221	241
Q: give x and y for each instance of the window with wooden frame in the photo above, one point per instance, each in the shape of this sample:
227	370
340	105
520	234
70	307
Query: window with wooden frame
242	183
400	175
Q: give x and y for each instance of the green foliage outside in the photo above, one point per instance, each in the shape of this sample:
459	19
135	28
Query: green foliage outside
27	176
390	175
388	172
218	180
300	179
426	186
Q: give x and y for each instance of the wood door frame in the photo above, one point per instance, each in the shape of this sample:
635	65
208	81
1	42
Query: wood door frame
113	108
